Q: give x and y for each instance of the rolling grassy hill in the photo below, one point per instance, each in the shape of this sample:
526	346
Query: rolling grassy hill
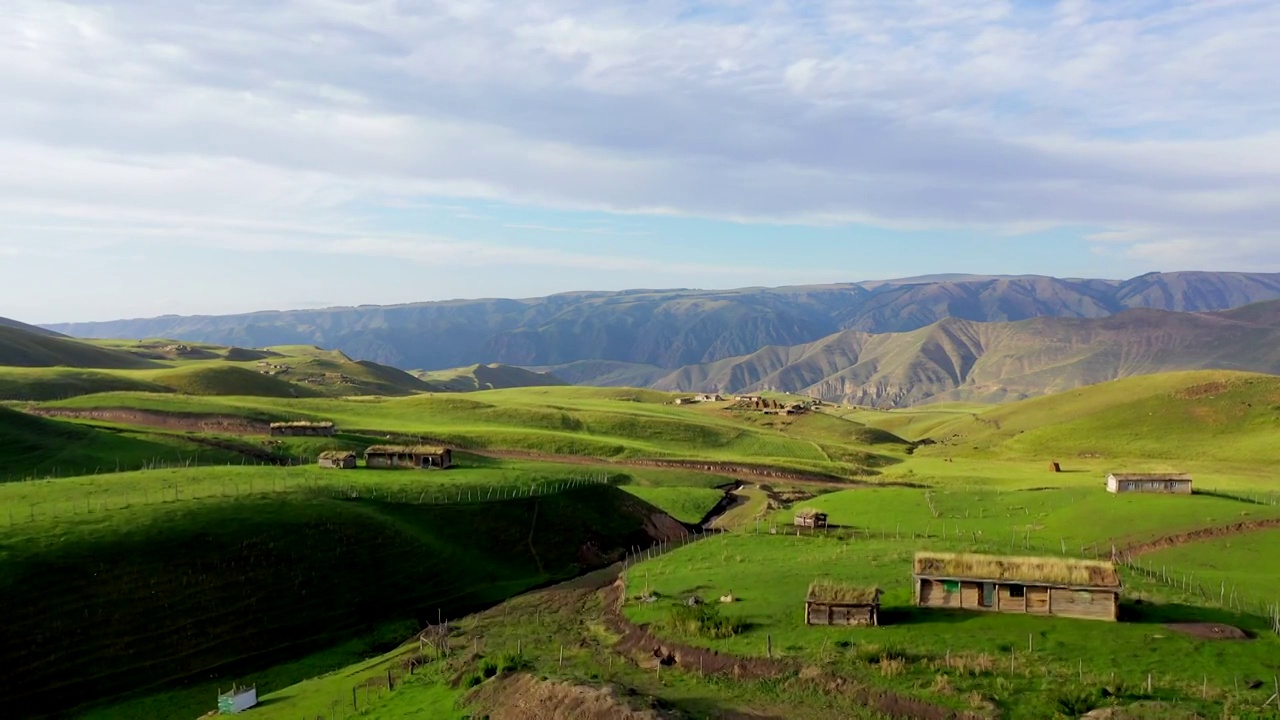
38	447
23	348
9	323
486	377
602	423
150	597
36	367
961	360
674	328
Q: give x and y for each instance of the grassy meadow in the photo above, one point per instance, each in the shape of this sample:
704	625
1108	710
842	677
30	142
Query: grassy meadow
169	582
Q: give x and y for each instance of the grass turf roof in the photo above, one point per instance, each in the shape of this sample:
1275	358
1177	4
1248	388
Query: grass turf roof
1050	571
336	455
302	424
826	591
1179	477
809	512
404	450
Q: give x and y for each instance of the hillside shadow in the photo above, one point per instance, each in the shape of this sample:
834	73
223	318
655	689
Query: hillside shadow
1143	613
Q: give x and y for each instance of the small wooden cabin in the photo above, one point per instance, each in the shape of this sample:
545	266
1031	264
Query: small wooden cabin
1064	587
1170	483
710	397
830	603
416	457
337	459
302	429
810	518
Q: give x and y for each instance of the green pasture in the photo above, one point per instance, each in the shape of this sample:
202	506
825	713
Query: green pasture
1247	564
562	420
686	504
1014	520
1023	665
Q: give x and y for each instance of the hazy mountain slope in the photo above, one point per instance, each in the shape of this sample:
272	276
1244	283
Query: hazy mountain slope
21	348
964	360
674	328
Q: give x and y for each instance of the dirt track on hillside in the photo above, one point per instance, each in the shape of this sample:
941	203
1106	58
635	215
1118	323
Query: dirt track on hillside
648	650
1194	536
229	424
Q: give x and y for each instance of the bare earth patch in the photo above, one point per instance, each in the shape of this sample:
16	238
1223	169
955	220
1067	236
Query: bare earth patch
520	697
1209	631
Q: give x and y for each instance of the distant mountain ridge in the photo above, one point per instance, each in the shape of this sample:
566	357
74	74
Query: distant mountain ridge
670	329
963	360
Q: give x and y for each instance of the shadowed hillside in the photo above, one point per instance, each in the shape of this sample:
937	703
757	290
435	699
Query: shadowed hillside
23	348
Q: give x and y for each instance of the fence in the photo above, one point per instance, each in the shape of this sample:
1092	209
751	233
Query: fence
110	500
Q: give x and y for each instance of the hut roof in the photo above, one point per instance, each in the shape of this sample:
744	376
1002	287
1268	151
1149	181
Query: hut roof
1180	477
1050	571
404	450
336	455
809	512
302	424
826	591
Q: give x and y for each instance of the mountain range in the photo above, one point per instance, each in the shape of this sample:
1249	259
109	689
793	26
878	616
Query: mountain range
618	334
963	360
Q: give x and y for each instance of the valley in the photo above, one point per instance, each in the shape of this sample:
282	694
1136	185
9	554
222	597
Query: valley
162	543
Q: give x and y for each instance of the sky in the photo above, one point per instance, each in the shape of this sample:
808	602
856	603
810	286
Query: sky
224	156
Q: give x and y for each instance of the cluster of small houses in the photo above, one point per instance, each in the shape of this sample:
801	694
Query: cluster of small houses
407	457
758	403
1064	587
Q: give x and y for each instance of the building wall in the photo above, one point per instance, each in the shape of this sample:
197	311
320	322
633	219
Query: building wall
1171	487
1089	604
821	614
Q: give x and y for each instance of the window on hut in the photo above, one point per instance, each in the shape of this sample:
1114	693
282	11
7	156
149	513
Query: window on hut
1017	591
950	586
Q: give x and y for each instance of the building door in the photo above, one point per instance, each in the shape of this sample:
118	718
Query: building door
988	594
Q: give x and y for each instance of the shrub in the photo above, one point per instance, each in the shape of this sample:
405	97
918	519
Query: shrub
512	662
472	680
488	668
1075	704
702	620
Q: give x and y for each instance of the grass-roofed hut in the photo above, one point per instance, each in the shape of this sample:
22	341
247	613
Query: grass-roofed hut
1065	587
337	459
831	603
417	457
810	518
302	428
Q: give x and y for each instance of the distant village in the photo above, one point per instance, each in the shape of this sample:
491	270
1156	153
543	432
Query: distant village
754	403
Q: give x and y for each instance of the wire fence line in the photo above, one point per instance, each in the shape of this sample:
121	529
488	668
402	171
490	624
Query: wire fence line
102	501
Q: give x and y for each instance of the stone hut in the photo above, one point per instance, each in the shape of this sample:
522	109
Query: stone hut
830	603
1063	587
709	397
337	459
416	457
1167	483
810	518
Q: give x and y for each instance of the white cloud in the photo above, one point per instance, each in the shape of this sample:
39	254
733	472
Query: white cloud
244	120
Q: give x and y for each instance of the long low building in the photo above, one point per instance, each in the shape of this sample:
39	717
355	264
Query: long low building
1064	587
416	457
1171	483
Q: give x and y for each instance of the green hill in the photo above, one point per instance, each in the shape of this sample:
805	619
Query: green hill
962	360
7	322
32	446
228	380
487	377
157	596
23	348
1208	415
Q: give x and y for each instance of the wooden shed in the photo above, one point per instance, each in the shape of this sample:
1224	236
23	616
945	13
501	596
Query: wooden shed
709	397
1170	483
337	459
810	518
417	457
830	603
1064	587
302	429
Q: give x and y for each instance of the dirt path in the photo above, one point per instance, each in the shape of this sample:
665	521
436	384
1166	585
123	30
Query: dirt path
1129	552
638	644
